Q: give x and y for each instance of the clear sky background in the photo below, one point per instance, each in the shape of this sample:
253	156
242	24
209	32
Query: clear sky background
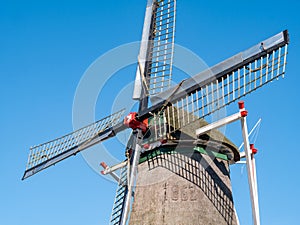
45	48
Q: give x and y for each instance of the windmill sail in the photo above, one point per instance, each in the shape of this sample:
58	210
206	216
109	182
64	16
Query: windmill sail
154	71
122	191
224	83
50	153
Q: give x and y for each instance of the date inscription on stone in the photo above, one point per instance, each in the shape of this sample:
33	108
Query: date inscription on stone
182	193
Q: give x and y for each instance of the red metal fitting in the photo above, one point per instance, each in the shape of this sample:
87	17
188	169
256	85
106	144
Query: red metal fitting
132	122
103	164
254	150
241	104
130	118
244	113
163	141
146	146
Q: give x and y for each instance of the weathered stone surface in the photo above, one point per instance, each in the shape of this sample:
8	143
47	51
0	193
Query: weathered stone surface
176	189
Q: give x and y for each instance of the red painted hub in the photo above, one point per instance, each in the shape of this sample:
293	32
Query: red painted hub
132	122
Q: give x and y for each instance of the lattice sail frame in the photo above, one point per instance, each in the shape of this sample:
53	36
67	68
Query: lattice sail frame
155	59
49	153
161	53
233	86
122	191
223	84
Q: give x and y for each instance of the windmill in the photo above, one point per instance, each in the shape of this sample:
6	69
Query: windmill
170	137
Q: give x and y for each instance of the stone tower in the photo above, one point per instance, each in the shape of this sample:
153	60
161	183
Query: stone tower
186	185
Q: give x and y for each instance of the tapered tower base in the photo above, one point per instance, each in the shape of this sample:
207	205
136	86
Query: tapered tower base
183	189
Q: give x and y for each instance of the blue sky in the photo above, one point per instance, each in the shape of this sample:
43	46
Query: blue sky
45	48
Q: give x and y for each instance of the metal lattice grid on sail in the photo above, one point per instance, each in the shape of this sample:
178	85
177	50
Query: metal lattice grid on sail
118	206
157	128
226	82
228	89
49	153
161	53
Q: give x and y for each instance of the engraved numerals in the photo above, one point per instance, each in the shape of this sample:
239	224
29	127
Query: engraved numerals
181	193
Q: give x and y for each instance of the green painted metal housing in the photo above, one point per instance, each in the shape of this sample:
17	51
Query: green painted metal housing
181	150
